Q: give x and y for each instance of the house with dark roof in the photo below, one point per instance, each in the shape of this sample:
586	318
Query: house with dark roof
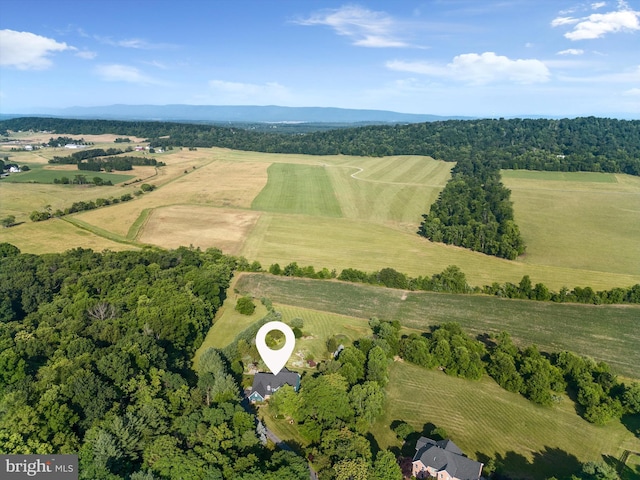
266	384
443	460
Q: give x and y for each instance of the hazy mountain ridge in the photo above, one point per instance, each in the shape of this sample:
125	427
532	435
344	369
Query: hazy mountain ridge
239	113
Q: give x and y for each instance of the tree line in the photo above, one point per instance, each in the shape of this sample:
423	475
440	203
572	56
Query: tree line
453	280
540	377
580	144
474	211
99	159
81	206
95	359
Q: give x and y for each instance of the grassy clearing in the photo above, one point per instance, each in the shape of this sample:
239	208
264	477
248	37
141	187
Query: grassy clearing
41	175
486	421
578	223
228	324
607	333
294	188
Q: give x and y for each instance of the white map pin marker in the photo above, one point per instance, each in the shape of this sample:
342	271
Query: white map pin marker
275	359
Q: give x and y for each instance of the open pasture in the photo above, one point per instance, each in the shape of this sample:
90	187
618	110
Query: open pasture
605	333
486	421
578	220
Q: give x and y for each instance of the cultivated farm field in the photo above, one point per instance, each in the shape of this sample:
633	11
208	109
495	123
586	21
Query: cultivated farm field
353	212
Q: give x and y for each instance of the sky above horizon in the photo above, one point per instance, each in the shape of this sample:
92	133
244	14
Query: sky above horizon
442	57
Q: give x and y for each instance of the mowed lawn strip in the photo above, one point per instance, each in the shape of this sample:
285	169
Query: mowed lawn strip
293	188
486	421
605	333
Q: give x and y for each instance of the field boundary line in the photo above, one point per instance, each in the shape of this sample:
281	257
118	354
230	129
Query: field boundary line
99	231
138	225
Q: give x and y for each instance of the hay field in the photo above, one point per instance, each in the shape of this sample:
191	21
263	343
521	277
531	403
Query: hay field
214	182
55	235
347	243
342	211
578	220
171	227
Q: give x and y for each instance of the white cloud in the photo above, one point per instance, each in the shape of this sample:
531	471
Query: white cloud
28	51
269	92
598	5
556	22
571	51
597	25
634	92
137	43
87	54
123	73
365	27
480	69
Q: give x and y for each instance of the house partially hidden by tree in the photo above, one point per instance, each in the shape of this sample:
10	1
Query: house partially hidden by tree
266	384
443	460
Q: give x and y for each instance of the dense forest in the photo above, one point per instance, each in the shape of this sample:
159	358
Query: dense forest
580	144
95	358
474	211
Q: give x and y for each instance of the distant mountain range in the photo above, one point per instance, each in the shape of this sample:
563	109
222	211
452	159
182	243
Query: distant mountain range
237	113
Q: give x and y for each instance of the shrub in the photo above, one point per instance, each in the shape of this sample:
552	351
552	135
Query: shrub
245	305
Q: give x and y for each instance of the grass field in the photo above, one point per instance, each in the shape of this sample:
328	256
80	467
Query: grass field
286	183
486	421
578	220
607	333
342	211
41	175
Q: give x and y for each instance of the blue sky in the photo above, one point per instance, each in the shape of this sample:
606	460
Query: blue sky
445	57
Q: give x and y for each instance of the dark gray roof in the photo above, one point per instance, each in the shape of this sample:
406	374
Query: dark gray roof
445	455
266	383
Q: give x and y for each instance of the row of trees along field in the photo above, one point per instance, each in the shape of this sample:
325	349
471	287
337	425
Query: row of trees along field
453	280
581	144
474	211
95	359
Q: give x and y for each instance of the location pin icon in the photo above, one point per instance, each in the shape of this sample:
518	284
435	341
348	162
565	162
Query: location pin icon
275	359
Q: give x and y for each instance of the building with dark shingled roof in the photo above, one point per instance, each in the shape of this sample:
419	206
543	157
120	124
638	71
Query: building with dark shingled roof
443	460
266	384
